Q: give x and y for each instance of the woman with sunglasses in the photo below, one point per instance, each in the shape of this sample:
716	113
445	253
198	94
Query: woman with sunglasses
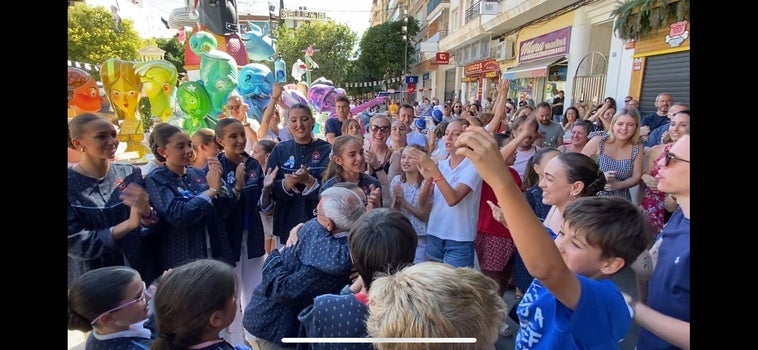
111	302
381	162
655	204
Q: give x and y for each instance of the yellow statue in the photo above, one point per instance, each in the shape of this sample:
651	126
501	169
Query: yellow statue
123	87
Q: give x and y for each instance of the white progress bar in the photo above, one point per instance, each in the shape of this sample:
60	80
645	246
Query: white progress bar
378	340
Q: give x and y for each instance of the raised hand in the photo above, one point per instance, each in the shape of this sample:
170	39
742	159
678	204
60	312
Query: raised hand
374	197
426	166
497	213
397	192
239	175
136	197
214	173
481	148
292	240
268	180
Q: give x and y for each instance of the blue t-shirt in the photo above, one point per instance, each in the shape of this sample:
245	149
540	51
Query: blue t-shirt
600	321
669	286
333	125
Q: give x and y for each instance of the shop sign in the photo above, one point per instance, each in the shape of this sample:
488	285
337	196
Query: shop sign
637	64
678	34
490	74
442	58
411	79
481	66
552	44
302	15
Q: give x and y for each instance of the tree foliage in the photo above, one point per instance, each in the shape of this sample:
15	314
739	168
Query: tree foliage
381	52
635	19
92	37
334	42
174	52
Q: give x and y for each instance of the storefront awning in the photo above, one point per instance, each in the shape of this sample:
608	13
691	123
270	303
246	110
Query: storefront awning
532	69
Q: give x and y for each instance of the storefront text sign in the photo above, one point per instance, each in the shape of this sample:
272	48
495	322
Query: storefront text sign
481	67
442	58
544	46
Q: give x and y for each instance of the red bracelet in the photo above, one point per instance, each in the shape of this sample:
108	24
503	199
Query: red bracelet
438	178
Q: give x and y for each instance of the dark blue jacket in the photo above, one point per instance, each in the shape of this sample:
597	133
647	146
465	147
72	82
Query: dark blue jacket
187	215
245	213
318	264
294	208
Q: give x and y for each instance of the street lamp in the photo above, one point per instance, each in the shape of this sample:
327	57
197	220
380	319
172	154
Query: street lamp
405	53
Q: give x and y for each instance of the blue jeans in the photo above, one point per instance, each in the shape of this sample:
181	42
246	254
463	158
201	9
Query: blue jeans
454	253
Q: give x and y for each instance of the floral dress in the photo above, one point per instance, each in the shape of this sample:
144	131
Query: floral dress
652	201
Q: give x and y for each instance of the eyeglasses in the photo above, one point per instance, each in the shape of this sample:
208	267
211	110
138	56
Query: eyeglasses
669	156
234	108
315	211
375	128
142	297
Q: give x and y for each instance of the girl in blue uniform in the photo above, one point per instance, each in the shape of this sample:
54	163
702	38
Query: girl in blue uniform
346	165
107	203
243	222
193	303
187	199
112	302
300	162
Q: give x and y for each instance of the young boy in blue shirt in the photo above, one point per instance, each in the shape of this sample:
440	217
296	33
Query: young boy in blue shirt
570	304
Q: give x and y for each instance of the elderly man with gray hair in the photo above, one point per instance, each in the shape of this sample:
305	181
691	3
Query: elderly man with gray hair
315	261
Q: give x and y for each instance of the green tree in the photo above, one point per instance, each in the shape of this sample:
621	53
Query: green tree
381	52
174	52
334	42
92	37
635	19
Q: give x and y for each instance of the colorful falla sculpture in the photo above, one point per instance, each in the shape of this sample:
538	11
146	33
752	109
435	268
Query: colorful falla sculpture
158	79
123	87
83	95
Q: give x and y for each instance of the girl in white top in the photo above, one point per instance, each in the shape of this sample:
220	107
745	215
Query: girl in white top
411	195
451	228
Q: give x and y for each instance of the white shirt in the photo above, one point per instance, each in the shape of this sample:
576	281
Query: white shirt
457	223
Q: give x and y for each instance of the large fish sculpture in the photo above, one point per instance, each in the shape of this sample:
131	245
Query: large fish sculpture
255	84
258	44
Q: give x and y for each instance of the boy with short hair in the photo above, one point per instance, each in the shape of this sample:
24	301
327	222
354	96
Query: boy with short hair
571	304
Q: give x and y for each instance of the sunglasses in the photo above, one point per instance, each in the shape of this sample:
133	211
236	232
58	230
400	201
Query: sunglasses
522	103
669	156
142	297
375	128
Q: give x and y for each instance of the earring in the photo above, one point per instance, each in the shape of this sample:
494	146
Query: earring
81	149
573	196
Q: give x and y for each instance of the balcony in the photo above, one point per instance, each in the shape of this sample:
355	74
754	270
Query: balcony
435	7
513	14
472	12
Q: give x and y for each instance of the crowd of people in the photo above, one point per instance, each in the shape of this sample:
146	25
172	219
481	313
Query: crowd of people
251	233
